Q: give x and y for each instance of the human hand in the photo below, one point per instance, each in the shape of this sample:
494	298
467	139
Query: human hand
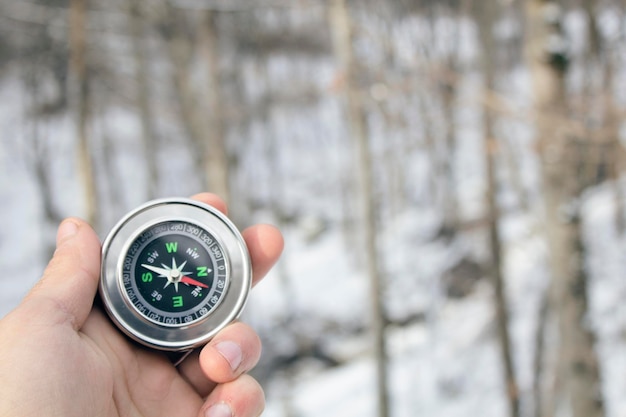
61	356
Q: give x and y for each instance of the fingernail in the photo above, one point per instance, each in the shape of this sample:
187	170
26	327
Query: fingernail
231	352
67	229
218	410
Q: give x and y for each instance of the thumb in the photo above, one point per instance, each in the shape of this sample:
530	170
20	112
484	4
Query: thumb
71	279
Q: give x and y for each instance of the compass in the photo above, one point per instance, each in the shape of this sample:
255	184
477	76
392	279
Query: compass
174	272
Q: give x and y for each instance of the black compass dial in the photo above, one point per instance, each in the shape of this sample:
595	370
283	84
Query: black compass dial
174	273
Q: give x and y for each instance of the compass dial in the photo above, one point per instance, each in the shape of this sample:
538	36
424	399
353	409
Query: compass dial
174	272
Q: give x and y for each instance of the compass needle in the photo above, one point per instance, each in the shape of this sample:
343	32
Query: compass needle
162	272
161	313
187	280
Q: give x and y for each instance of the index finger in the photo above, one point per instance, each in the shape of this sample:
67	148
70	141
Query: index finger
265	242
212	200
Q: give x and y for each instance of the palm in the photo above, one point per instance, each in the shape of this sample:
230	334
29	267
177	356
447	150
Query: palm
137	382
98	369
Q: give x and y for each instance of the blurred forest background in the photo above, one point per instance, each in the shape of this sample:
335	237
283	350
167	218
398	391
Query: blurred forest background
449	175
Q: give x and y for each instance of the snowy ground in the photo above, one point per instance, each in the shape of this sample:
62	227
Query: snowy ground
448	365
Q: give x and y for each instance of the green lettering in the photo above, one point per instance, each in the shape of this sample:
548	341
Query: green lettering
146	277
177	301
202	271
171	246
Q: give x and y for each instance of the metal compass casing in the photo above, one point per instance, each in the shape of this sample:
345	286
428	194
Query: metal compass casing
174	272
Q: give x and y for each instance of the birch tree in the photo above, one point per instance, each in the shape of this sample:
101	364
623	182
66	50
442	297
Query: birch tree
578	367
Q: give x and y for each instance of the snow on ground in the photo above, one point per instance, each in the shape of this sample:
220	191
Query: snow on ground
449	365
445	365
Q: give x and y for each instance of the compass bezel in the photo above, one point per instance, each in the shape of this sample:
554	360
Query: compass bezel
161	336
133	260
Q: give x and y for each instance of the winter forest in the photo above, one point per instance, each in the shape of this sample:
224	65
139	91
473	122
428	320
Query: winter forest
448	175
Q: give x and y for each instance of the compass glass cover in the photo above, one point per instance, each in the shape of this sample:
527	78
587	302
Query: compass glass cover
174	273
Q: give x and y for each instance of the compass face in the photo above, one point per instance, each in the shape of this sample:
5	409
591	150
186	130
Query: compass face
174	272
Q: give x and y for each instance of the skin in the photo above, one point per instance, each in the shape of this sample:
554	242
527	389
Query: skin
61	356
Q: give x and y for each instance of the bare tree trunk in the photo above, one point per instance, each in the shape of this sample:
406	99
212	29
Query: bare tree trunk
543	321
488	12
39	152
448	86
146	114
179	47
357	118
617	152
79	95
217	163
548	89
495	271
201	109
276	196
576	345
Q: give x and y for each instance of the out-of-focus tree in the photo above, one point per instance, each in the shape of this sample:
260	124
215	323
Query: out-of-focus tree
597	106
577	368
356	115
486	14
216	155
200	99
78	84
149	134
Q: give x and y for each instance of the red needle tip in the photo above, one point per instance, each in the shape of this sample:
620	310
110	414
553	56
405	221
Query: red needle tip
187	280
